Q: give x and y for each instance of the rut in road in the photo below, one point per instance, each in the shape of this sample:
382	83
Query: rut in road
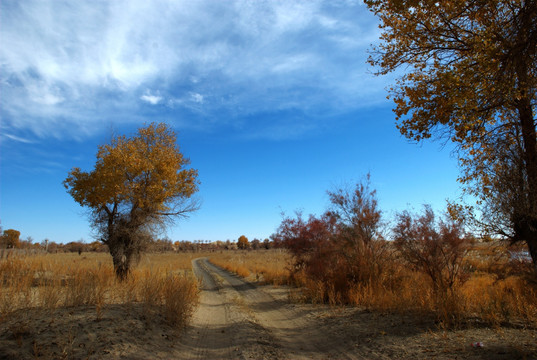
237	320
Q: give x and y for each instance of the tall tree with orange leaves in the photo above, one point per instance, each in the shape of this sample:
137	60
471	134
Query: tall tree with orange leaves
139	184
470	75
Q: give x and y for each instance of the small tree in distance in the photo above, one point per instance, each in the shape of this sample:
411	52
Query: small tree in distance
11	239
255	244
242	243
138	185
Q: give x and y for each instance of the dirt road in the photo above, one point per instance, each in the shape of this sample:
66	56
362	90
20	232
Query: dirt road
237	320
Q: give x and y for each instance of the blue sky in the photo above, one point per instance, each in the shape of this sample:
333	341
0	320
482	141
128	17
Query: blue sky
273	102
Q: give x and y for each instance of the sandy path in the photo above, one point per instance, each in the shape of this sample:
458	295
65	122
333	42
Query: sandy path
235	319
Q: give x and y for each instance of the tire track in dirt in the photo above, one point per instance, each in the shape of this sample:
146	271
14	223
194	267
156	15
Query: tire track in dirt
220	329
236	319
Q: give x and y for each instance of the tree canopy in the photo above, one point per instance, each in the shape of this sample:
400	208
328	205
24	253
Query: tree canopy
11	239
470	75
242	242
138	183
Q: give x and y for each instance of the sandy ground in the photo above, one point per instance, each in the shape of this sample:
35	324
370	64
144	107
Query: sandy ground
238	320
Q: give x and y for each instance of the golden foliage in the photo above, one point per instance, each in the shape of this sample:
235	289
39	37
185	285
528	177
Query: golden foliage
145	171
468	60
10	239
470	76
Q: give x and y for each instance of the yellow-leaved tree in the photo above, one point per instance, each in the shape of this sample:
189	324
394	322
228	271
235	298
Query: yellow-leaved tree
10	239
138	185
470	75
242	242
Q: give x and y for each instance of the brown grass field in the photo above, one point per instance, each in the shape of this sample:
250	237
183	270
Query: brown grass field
71	306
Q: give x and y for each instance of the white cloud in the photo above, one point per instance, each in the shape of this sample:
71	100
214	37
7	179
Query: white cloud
82	61
152	99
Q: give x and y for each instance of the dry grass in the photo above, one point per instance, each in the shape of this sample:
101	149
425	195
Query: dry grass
484	297
264	266
495	291
163	283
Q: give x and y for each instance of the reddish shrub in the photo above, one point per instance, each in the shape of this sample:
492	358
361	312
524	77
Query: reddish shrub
436	248
339	249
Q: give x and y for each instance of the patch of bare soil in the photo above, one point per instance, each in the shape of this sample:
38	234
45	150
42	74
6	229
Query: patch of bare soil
114	332
238	320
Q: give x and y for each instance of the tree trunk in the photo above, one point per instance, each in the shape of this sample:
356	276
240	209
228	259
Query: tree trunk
528	226
122	261
526	230
532	248
526	45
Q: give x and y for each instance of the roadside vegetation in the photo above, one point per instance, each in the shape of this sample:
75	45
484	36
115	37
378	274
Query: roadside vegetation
421	263
162	283
493	288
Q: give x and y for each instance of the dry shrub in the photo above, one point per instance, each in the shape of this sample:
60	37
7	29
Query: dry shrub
490	257
484	296
312	291
242	271
437	249
274	275
340	251
432	268
399	289
171	295
180	296
149	288
327	262
87	287
16	284
49	297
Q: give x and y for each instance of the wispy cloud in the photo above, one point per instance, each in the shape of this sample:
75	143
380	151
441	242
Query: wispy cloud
152	99
79	63
17	138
